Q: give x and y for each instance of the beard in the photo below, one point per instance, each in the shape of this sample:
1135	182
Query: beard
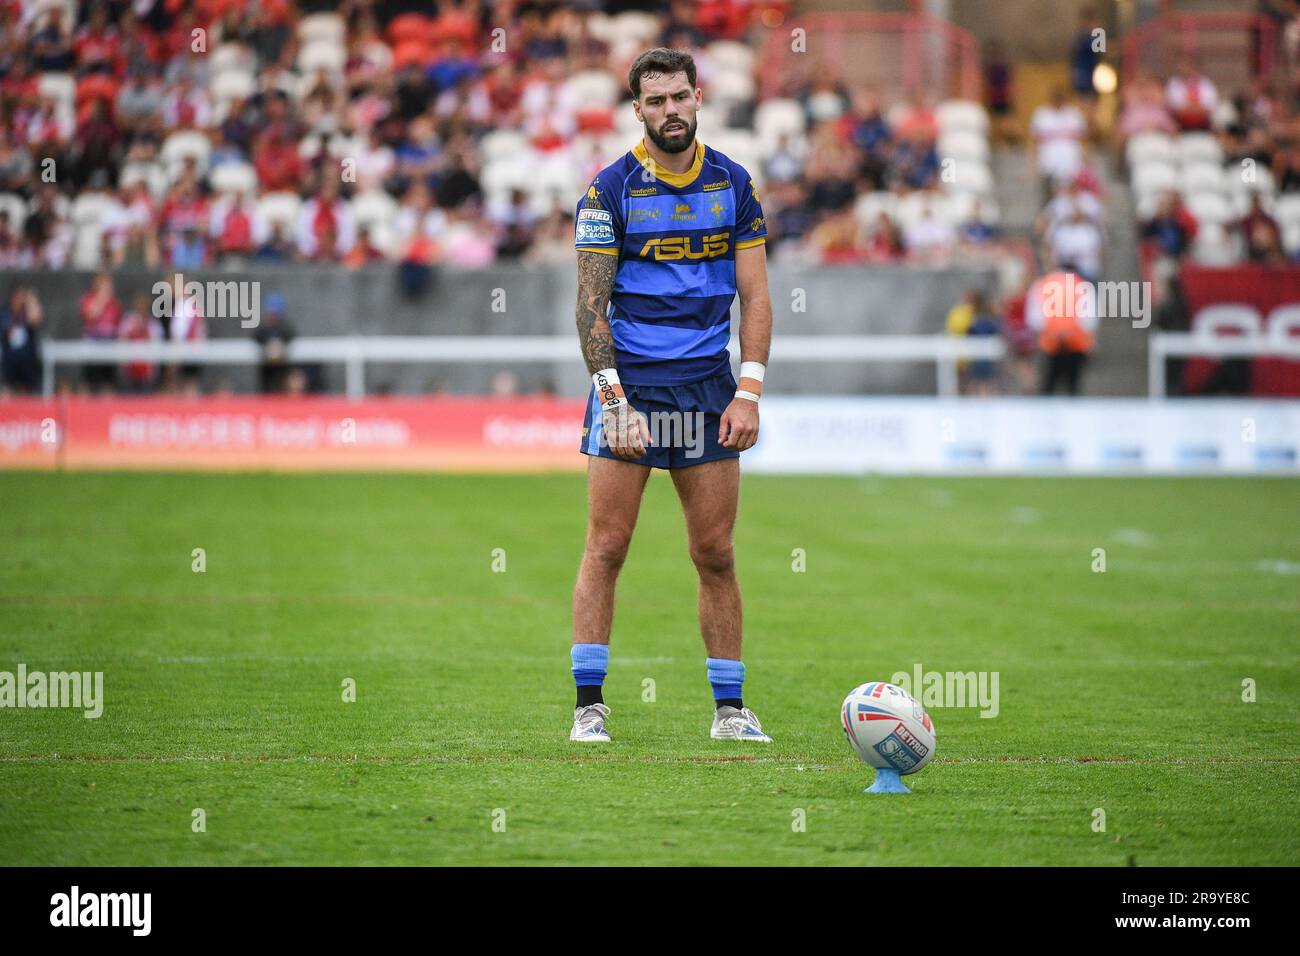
676	141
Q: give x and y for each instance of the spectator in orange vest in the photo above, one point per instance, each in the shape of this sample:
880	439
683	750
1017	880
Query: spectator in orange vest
1061	308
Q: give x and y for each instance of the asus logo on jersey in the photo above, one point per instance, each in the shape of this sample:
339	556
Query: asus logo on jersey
680	247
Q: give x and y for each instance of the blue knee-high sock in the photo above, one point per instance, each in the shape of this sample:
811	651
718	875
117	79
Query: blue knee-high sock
727	678
590	662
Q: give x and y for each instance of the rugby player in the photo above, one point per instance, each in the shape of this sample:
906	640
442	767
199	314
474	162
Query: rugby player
666	237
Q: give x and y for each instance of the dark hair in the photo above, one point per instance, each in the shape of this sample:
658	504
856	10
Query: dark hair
660	60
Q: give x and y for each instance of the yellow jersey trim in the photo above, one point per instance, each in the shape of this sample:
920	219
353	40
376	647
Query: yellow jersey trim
672	179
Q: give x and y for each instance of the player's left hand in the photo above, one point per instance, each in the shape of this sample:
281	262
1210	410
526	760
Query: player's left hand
738	427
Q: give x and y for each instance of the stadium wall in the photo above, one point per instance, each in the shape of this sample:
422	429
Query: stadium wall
799	435
518	300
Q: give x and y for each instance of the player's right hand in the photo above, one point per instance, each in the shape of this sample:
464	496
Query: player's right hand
627	432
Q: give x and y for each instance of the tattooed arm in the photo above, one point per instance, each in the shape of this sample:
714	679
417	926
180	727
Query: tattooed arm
595	283
624	428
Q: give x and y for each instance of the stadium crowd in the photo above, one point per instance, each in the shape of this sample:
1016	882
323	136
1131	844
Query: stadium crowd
1216	174
279	136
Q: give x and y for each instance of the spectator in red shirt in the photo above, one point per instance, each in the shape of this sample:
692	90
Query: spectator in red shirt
97	45
232	225
364	252
1191	97
139	325
886	242
326	229
100	314
276	159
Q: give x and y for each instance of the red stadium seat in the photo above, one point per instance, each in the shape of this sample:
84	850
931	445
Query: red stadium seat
595	119
408	27
410	52
453	26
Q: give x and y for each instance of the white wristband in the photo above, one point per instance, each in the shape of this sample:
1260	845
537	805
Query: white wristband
605	380
752	370
741	393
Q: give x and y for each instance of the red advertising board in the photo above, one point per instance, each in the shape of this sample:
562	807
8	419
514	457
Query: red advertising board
1263	287
434	433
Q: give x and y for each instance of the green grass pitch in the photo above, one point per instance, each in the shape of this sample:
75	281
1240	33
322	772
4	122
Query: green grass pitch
1120	691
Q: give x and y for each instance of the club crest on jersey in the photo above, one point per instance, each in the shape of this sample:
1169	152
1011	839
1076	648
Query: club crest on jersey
669	248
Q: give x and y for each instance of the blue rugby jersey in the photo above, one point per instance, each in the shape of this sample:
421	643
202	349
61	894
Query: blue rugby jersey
676	236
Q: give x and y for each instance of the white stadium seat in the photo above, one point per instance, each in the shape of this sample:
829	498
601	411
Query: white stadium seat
1199	148
503	144
185	143
503	175
375	210
321	56
954	115
776	118
593	88
1256	179
962	207
1201	178
87	246
41	8
729	86
234	177
59	86
89	208
153	175
13	204
230	56
322	28
1209	208
1214	246
629	128
1147	203
869	206
731	55
1291	238
279	207
1155	177
232	83
1287	209
634	26
969	177
1150	148
963	145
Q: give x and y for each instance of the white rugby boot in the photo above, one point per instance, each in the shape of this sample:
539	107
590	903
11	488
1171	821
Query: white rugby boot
732	724
589	724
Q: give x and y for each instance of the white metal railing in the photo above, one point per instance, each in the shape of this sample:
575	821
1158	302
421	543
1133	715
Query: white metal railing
354	351
1165	345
